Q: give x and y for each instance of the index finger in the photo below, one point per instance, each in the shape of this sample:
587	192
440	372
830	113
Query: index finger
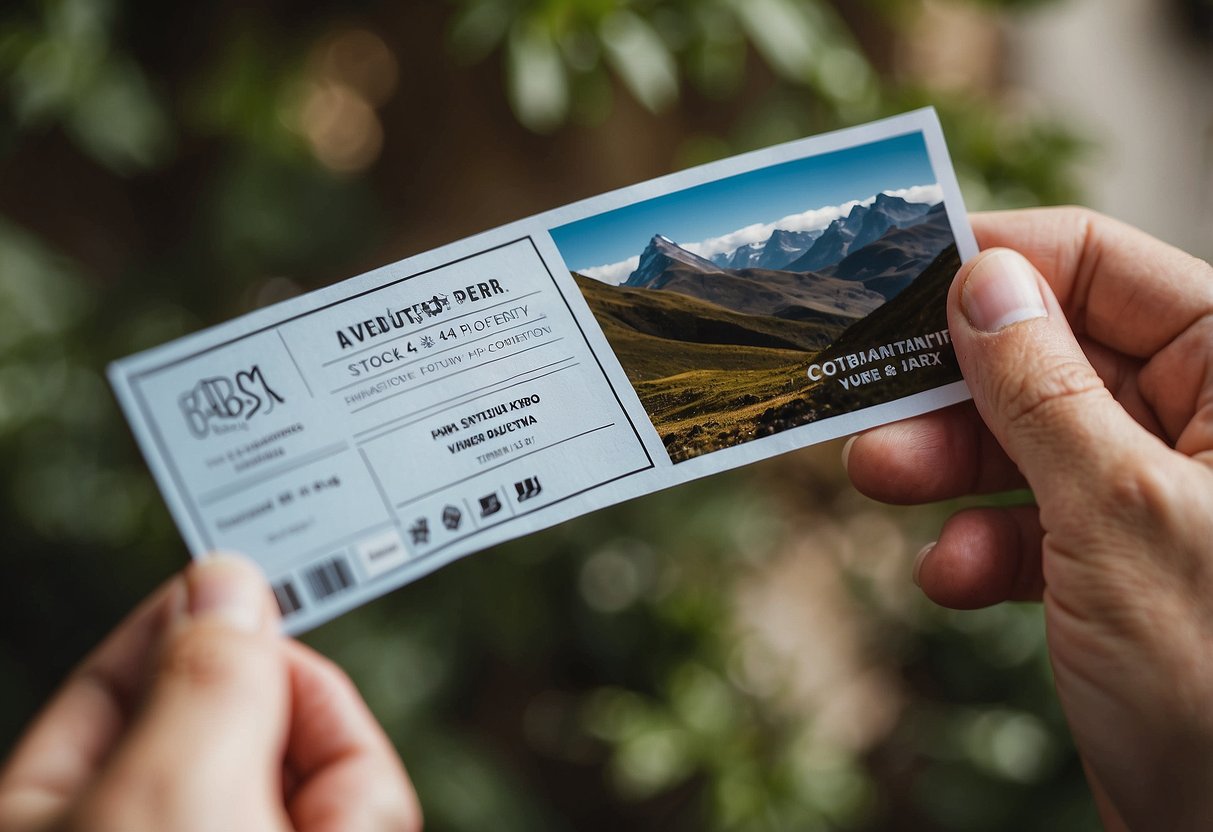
1124	288
345	771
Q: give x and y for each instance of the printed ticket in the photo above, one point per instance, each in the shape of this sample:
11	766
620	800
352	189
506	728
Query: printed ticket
358	437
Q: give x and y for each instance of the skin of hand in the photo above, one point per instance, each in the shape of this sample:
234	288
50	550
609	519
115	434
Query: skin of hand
196	715
1088	348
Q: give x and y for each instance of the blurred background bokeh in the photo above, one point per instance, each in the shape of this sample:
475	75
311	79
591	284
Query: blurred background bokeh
744	653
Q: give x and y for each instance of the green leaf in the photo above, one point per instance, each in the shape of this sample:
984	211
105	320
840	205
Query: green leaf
536	78
783	35
643	62
118	120
478	29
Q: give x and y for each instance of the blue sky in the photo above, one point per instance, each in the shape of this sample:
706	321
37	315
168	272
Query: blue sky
716	211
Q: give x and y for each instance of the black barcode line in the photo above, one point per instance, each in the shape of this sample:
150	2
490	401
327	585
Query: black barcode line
329	578
287	597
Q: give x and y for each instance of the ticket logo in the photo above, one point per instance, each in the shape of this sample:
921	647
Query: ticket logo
220	404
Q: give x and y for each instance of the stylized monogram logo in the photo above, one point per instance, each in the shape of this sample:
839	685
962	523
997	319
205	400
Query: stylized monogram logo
226	400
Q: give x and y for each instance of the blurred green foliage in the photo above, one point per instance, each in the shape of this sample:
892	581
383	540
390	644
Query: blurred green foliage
162	169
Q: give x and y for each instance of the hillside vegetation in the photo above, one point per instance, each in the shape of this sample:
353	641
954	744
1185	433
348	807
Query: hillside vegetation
710	377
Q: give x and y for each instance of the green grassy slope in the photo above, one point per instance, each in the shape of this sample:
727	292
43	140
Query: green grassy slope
677	317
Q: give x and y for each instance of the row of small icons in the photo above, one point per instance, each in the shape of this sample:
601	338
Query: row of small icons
490	504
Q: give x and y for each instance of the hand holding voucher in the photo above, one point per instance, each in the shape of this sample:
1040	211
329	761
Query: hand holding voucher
1091	367
195	715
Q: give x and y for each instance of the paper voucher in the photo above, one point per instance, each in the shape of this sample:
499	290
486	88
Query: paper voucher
356	438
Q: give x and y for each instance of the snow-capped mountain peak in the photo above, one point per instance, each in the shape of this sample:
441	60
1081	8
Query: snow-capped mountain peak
659	255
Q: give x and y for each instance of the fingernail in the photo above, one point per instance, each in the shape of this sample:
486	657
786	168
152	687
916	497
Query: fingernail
846	452
227	589
918	559
1002	290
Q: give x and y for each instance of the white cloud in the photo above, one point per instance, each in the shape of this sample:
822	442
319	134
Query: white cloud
811	220
929	194
613	273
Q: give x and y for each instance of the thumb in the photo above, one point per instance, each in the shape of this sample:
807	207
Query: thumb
206	750
1031	382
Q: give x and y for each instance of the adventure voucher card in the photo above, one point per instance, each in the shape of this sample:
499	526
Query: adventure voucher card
356	438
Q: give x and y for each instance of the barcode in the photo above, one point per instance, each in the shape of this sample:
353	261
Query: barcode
329	578
287	597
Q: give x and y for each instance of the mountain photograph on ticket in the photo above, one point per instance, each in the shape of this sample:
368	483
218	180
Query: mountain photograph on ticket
764	301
